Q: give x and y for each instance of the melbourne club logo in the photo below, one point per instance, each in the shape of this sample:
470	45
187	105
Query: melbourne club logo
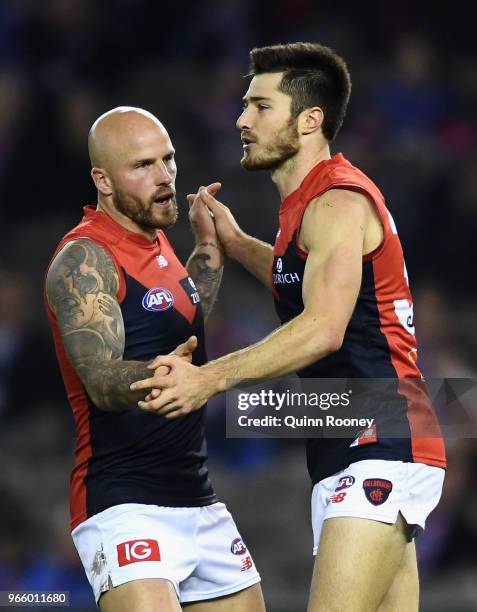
377	490
158	298
238	547
136	551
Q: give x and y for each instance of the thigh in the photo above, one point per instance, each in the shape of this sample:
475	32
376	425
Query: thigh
225	565
356	563
403	595
248	600
149	595
136	544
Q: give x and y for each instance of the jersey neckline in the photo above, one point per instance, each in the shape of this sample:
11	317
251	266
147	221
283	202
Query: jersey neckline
338	158
91	212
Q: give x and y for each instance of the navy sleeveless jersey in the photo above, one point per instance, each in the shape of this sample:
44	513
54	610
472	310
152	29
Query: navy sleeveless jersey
133	456
379	341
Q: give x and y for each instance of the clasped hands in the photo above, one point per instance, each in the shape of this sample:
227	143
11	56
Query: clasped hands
176	387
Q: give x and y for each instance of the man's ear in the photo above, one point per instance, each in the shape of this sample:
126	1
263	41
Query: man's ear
102	181
310	120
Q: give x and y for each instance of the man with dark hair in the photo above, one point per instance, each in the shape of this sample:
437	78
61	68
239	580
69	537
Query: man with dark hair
340	287
144	516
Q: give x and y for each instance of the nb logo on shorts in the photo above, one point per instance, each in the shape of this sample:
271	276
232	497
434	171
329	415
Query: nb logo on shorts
138	550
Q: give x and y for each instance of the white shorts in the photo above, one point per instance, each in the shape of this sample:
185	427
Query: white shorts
378	490
199	550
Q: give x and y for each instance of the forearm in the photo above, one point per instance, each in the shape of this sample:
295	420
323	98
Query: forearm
107	382
288	349
255	256
205	267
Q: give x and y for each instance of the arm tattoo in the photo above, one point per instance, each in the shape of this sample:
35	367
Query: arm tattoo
81	286
206	277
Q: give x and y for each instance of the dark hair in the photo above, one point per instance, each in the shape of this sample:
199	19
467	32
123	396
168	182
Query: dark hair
314	75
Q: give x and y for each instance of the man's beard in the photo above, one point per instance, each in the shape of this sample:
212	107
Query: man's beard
148	216
285	146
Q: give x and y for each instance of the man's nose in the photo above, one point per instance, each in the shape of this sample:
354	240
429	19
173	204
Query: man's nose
163	174
243	122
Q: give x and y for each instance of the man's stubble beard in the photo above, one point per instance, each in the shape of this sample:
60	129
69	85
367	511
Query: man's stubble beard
285	146
150	218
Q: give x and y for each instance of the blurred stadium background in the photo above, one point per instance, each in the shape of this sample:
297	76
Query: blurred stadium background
411	126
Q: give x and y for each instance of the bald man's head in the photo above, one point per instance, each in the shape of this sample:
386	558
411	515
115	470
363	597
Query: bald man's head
113	132
133	167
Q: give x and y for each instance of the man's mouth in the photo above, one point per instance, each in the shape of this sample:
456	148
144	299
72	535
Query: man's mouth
164	199
247	141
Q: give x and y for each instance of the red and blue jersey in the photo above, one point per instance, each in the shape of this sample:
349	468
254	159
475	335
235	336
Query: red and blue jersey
379	341
132	456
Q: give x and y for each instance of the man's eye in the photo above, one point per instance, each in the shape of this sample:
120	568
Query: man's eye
262	107
169	158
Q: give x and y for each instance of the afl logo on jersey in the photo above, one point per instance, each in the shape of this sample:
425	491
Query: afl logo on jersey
158	298
279	265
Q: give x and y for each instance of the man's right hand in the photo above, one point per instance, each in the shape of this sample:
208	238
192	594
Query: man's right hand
228	230
184	351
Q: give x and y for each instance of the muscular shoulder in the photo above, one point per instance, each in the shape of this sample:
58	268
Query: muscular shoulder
82	267
333	214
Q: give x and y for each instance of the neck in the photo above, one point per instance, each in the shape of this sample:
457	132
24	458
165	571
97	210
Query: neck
107	206
289	176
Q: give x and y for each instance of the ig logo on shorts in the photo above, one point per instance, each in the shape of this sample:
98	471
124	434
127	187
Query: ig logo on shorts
138	550
158	298
238	547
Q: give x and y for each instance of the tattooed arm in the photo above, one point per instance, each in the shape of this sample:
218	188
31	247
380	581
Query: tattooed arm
205	265
81	287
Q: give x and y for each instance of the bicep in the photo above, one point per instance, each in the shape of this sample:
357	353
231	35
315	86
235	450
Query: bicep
82	284
334	235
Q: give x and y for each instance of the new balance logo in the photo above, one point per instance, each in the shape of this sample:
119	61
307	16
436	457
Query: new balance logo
162	261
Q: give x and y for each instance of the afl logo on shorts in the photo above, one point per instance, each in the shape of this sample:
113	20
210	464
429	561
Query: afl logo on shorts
158	298
345	482
238	547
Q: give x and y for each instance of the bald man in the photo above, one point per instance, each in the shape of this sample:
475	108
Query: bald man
144	516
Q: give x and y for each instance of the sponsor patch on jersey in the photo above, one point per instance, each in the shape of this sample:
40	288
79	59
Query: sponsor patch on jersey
377	490
345	482
158	298
137	551
238	547
366	436
189	287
